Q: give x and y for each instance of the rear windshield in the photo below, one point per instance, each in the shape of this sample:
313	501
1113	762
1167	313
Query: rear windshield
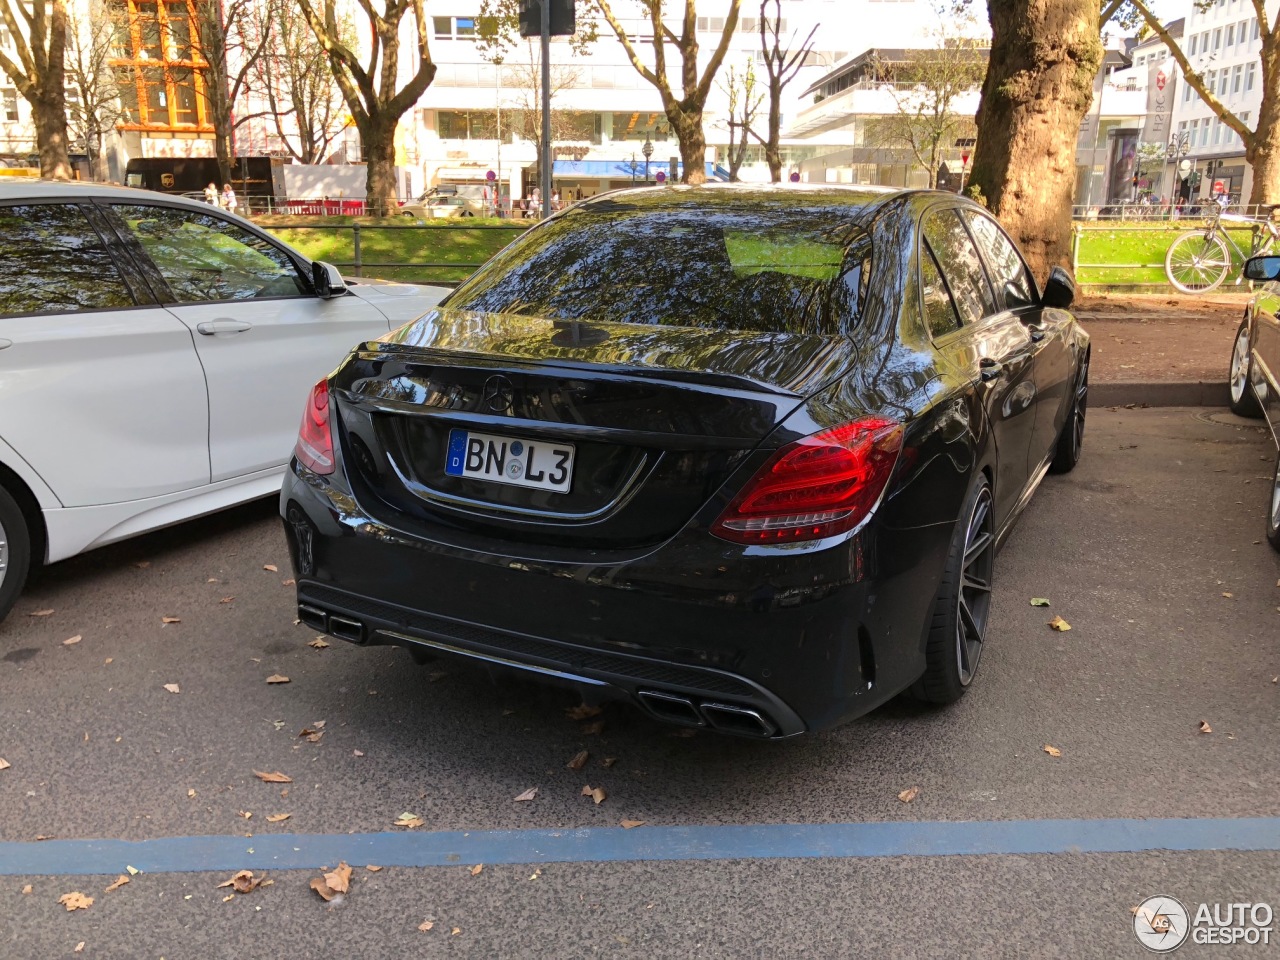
766	271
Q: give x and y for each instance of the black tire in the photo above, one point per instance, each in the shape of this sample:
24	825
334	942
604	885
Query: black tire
15	552
1066	454
963	604
1273	511
1243	401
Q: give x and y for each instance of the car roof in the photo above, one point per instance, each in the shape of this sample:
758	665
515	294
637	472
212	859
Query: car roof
23	188
719	194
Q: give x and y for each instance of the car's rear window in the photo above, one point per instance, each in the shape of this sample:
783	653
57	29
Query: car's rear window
725	268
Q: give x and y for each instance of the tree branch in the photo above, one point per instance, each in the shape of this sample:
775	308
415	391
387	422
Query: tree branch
627	46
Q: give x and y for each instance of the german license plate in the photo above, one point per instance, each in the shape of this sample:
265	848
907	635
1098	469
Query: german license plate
539	464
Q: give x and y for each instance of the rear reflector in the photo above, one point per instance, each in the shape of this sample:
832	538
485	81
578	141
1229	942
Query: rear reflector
816	487
314	448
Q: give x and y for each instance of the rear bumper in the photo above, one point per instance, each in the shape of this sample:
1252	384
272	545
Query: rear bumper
766	643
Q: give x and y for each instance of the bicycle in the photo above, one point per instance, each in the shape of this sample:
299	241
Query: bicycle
1200	261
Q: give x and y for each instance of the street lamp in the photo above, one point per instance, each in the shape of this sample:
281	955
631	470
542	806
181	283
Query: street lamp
1179	146
633	168
647	150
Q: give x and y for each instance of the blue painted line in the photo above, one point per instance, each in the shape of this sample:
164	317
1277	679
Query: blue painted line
613	844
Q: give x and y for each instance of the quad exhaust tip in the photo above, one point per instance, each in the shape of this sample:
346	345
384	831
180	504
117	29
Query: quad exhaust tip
725	717
344	628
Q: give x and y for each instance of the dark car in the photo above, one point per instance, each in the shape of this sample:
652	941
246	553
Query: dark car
741	455
1255	369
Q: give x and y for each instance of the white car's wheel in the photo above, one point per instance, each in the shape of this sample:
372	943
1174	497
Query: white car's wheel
1273	513
15	552
1243	401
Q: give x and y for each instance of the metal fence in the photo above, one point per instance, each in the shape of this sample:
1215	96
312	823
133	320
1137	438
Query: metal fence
1136	211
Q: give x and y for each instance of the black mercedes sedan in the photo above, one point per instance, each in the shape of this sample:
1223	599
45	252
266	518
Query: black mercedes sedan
740	455
1255	369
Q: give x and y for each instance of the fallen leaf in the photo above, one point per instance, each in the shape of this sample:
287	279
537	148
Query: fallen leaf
1052	751
108	660
27	888
527	795
45	613
595	793
595	726
583	711
288	583
372	869
579	760
226	599
191	793
425	925
275	777
339	879
142	564
229	897
170	619
132	871
277	678
1057	623
608	761
5	764
410	820
247	814
245	882
536	874
475	871
75	901
1204	727
319	643
70	640
79	947
269	567
1228	595
44	836
213	580
172	687
312	736
278	817
1039	602
120	882
455	931
909	794
630	824
357	753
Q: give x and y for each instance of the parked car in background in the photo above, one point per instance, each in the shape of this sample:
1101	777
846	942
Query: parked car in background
442	207
152	355
741	455
1255	368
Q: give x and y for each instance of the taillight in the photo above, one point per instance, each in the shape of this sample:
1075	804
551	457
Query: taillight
816	487
314	448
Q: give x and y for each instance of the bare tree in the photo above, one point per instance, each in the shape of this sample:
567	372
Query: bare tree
94	106
297	82
234	36
369	87
745	98
525	117
925	92
781	64
39	32
1262	143
684	113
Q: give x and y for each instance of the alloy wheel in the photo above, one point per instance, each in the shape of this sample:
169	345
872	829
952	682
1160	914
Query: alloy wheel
1273	519
974	597
1240	365
1078	410
4	553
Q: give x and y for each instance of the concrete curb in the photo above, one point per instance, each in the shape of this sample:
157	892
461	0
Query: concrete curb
1192	393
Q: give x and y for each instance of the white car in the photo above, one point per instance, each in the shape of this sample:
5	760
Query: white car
431	207
155	356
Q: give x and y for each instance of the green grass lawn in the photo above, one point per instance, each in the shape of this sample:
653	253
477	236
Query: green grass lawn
1122	254
396	240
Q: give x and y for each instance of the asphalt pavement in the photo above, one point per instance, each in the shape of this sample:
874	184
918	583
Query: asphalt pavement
1152	550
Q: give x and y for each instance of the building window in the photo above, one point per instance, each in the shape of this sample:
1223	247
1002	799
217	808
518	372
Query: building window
1223	79
10	106
1217	40
1204	133
160	68
1217	131
443	27
1237	72
465	28
1242	33
1254	36
1191	47
1231	35
1250	73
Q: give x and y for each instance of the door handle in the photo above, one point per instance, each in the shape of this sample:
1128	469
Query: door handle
211	328
1037	333
990	369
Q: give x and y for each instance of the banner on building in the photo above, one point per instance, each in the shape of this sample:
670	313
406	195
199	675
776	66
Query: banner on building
1159	119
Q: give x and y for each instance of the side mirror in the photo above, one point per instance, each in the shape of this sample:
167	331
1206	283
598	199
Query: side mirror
1262	268
327	280
1059	290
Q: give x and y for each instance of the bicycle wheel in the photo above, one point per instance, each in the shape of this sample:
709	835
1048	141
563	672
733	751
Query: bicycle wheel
1197	262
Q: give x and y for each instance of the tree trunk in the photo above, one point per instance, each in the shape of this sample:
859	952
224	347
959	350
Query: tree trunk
50	117
772	152
1044	56
693	144
1263	154
379	142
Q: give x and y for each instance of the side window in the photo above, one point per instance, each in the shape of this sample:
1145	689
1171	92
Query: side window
939	310
53	261
205	258
1014	287
960	264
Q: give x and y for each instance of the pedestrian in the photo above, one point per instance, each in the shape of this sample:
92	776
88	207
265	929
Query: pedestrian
555	200
211	195
535	203
229	202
